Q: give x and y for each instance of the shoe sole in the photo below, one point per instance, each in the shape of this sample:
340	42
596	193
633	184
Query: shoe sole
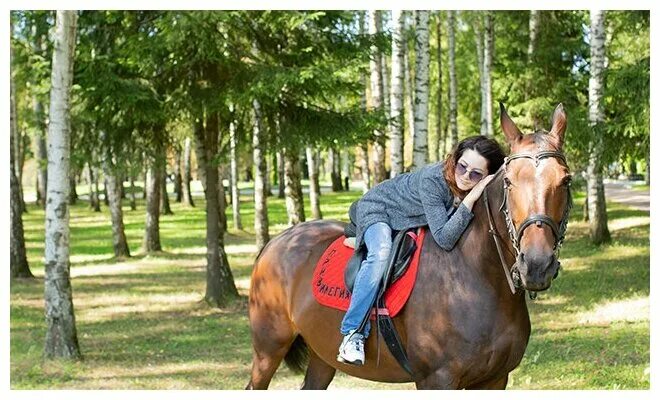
345	361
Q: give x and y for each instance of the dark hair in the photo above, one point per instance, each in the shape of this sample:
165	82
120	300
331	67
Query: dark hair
486	147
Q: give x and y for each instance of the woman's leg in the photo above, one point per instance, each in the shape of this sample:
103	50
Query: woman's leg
378	238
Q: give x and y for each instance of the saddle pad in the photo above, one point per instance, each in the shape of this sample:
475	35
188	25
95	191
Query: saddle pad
328	280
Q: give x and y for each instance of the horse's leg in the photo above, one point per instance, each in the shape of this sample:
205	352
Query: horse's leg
319	374
439	379
494	384
272	337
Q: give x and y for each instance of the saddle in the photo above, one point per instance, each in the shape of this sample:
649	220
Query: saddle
403	249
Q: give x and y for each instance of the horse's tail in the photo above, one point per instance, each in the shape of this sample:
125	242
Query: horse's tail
297	357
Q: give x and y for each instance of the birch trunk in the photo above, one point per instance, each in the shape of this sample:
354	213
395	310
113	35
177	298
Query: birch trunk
61	336
439	117
363	149
16	147
187	195
314	188
396	96
422	61
235	191
533	32
280	174
165	208
377	97
153	181
409	92
133	202
260	176
42	162
18	262
453	107
293	189
479	41
489	46
596	193
97	191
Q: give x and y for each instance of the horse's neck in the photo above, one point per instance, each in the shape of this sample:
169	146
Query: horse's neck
479	244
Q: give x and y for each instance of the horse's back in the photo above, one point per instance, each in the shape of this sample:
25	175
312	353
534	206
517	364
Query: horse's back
288	258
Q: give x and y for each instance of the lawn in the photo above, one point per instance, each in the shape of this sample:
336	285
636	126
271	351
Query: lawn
142	323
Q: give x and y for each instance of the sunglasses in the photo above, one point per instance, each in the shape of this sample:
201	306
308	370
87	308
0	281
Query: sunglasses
475	176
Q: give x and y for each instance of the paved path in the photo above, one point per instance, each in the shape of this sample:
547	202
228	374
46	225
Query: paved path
623	192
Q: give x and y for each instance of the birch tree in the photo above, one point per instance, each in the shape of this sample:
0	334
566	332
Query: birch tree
187	176
396	95
376	78
233	165
489	46
18	258
453	106
260	177
595	190
422	61
61	336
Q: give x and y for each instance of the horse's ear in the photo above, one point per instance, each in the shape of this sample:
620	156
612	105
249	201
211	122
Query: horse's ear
558	125
511	131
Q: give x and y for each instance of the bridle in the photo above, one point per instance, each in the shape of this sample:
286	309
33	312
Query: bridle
515	235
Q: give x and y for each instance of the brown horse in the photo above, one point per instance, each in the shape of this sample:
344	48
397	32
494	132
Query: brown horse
462	326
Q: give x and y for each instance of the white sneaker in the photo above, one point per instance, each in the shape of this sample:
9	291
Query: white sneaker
351	350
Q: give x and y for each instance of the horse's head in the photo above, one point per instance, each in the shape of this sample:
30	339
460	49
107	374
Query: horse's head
537	198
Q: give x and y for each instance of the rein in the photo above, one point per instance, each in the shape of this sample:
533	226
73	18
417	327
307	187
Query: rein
515	235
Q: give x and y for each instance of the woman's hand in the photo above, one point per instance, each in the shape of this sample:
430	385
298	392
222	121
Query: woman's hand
476	191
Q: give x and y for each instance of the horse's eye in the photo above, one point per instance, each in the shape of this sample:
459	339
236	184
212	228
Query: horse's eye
567	180
507	182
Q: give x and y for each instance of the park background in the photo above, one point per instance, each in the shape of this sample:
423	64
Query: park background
293	115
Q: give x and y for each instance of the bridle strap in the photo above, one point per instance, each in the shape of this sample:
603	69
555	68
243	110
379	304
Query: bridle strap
498	244
516	235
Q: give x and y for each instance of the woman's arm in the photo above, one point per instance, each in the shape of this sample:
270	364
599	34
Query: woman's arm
445	230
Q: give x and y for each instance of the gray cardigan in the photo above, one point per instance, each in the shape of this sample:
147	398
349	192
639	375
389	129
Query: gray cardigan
411	200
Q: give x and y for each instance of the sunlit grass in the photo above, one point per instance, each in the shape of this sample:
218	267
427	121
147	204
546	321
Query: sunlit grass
142	323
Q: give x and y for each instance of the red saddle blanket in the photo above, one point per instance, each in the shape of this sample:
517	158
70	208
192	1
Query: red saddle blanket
328	280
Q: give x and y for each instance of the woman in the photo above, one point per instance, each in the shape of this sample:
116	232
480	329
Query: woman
440	195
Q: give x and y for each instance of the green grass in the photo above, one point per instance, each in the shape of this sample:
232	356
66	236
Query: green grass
142	323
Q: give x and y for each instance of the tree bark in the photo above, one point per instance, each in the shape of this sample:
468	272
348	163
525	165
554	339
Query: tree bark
280	174
165	208
119	242
42	163
453	106
533	32
439	117
93	189
131	181
187	195
596	193
73	194
314	189
220	287
293	189
16	147
377	97
153	181
18	262
178	178
235	191
479	41
489	46
408	77
422	60
335	171
61	336
260	176
396	101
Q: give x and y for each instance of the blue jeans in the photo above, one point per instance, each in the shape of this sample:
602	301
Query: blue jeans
378	238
